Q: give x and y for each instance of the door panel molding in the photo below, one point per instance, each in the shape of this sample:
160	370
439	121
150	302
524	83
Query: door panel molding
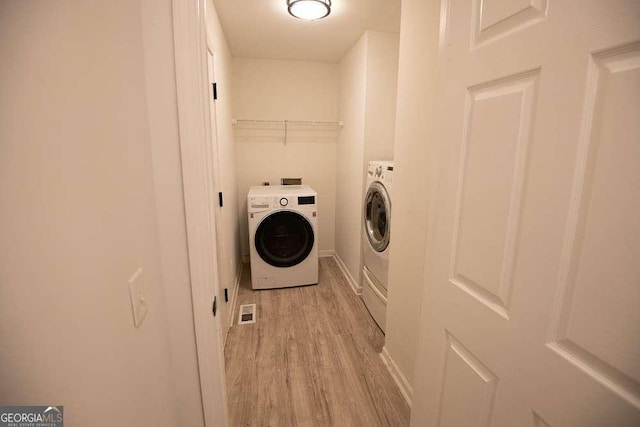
582	333
490	25
473	233
466	383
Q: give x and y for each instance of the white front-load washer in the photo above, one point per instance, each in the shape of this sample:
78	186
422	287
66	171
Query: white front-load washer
376	240
283	226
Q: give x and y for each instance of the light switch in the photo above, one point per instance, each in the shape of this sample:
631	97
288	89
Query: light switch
138	299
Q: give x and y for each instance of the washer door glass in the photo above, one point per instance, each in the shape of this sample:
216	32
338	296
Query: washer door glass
284	239
377	214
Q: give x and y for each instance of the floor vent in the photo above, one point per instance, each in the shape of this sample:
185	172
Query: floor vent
247	314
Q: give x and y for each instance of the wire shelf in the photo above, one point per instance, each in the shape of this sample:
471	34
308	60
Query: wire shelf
286	124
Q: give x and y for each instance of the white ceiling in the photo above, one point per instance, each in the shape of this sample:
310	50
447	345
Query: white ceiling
264	28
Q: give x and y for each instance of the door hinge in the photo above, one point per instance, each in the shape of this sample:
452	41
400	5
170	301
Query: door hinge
226	295
214	87
214	309
220	199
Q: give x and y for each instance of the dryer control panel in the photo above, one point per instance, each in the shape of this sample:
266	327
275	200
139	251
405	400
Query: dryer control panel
380	171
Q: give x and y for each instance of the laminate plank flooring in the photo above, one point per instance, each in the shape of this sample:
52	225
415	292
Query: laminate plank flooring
311	359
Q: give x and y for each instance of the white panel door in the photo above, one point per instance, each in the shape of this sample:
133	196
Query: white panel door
216	177
532	301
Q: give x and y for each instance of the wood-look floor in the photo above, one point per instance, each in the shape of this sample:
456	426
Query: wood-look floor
311	359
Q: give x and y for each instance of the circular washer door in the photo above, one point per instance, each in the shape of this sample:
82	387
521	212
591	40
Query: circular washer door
284	239
377	214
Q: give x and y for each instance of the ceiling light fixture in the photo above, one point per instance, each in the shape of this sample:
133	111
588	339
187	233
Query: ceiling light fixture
309	9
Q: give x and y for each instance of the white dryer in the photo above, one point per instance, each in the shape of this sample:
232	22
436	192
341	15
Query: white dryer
283	225
376	241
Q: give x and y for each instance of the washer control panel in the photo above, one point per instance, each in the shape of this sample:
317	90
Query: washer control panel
292	197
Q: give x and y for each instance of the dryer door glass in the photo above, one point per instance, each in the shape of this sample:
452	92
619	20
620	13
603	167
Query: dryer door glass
284	239
377	214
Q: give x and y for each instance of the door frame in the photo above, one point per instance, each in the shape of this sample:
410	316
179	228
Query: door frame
190	44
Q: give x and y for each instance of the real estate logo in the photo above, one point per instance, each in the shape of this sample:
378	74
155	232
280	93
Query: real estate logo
31	416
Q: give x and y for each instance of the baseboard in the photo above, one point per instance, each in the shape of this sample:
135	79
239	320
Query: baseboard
400	380
326	253
355	286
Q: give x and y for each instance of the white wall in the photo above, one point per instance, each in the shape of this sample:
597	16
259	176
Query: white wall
381	92
350	170
368	81
229	225
418	43
78	214
291	90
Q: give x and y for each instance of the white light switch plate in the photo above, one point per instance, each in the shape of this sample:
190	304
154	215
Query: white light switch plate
137	291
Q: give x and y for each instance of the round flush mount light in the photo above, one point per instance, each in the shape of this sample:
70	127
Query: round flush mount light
309	10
